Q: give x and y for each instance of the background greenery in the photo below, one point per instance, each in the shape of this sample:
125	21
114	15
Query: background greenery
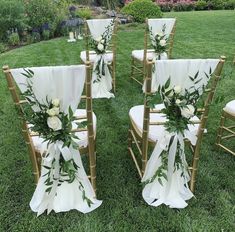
198	35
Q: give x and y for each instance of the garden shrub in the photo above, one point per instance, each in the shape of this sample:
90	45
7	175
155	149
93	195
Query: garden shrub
183	6
2	48
46	34
229	5
84	13
165	6
216	4
40	12
14	39
11	17
201	5
142	9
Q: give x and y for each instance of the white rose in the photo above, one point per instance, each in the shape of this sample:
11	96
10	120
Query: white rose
178	101
187	111
100	47
162	42
55	102
54	123
98	39
177	89
53	111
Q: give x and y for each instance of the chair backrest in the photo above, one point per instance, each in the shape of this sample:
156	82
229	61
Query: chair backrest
63	82
94	28
179	71
156	26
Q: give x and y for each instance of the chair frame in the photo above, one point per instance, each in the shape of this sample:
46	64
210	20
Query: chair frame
138	67
229	129
112	45
141	139
34	154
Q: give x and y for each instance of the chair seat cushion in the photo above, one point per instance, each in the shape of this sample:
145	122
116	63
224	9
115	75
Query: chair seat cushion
83	136
230	107
139	54
92	56
136	114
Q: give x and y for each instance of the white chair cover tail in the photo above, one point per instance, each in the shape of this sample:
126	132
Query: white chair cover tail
101	88
65	83
174	190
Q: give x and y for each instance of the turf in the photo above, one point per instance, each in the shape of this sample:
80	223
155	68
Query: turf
198	35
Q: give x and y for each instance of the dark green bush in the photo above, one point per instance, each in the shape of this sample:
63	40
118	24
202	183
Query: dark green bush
14	39
201	5
216	4
11	17
229	5
142	9
2	47
40	12
46	34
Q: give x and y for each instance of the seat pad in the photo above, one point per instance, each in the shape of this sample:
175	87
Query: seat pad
230	107
83	136
136	114
139	54
92	56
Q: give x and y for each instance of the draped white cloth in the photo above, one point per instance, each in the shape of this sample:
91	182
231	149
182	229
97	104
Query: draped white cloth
174	191
65	83
101	88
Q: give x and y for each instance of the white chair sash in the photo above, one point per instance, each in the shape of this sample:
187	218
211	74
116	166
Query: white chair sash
156	25
174	191
102	88
65	83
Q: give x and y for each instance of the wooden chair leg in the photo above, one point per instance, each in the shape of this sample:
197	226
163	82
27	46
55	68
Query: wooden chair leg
220	131
114	77
132	67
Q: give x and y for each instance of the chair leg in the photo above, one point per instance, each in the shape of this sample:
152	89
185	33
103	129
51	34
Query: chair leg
114	76
132	66
220	131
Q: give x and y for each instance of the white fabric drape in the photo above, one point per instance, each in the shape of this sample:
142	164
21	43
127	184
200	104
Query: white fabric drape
156	25
65	83
101	88
174	191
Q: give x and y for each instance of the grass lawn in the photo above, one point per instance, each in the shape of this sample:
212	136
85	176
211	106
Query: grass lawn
198	35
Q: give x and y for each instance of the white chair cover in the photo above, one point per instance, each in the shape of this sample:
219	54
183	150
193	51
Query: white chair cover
156	25
174	191
65	83
101	89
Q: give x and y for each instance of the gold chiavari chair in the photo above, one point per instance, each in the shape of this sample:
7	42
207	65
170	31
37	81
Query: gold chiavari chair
90	56
228	114
80	115
139	140
139	57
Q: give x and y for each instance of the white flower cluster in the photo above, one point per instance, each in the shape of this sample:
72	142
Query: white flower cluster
162	41
100	45
53	120
187	111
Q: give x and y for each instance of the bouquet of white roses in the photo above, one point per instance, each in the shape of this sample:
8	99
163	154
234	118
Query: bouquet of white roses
159	42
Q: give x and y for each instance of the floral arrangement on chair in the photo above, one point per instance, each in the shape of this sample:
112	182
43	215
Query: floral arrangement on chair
100	46
55	127
179	108
159	42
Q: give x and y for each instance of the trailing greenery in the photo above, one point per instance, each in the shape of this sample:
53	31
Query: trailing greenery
118	183
142	9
